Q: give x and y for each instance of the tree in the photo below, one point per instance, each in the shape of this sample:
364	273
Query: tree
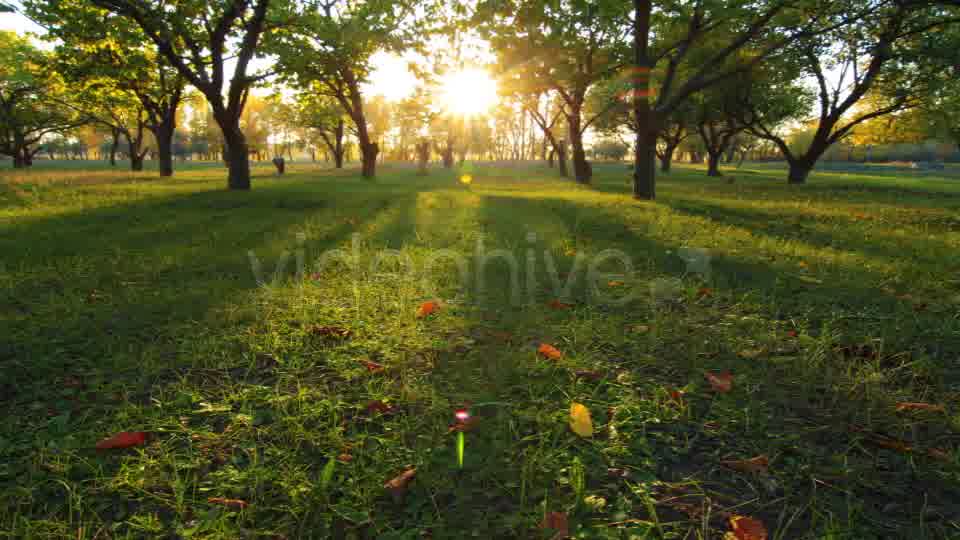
323	116
566	47
870	56
197	38
94	44
330	47
30	100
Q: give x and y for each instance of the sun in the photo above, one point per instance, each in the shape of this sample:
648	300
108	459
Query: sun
468	92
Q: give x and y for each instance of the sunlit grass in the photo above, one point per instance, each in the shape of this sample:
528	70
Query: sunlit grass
128	303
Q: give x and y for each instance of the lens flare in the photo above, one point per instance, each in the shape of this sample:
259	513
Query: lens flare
462	415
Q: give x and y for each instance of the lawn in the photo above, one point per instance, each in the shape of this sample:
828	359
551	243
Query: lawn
282	407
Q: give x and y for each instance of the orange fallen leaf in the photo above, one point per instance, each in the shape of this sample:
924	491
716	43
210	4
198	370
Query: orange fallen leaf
558	522
720	382
615	284
333	332
124	439
747	528
907	406
556	304
676	395
549	351
427	309
397	486
372	366
758	464
704	292
236	504
344	458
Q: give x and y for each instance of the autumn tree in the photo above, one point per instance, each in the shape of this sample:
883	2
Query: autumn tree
329	48
871	57
31	98
565	47
201	40
324	117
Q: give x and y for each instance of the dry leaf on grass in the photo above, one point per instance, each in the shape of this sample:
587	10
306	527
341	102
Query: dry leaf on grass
720	382
580	421
556	304
372	366
124	439
746	528
907	406
758	464
549	351
236	504
397	486
427	308
557	522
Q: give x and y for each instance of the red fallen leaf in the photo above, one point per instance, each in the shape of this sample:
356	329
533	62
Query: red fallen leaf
464	425
378	406
333	332
236	504
372	366
676	395
704	292
721	382
792	333
907	406
427	309
124	439
397	486
549	351
757	464
556	521
746	528
556	304
344	458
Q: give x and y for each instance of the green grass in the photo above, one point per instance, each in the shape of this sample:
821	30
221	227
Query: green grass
128	303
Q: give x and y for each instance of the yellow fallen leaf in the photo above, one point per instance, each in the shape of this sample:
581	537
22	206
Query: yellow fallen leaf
580	421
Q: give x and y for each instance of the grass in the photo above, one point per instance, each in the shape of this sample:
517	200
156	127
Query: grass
128	303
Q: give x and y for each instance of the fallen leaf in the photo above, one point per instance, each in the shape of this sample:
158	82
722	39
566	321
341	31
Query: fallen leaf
704	292
580	421
906	406
549	351
427	309
640	329
556	521
792	333
333	332
940	454
464	425
747	528
802	264
751	354
236	504
556	304
615	284
344	458
757	464
721	382
397	486
372	366
378	406
676	395
124	439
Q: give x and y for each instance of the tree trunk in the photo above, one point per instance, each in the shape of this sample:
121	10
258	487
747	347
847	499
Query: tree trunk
713	163
581	169
550	157
114	145
369	151
799	171
562	158
163	133
236	153
338	145
666	160
644	160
